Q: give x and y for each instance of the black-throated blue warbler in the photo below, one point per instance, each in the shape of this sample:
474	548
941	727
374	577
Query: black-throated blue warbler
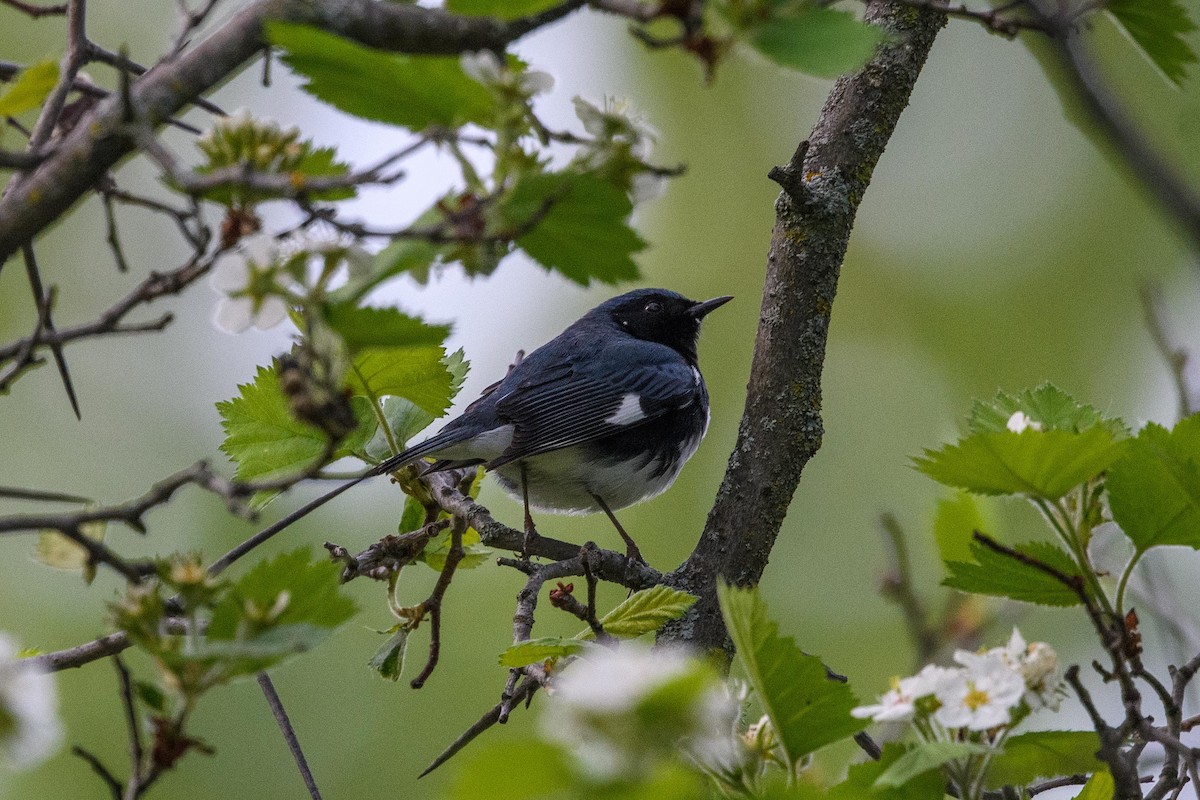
599	418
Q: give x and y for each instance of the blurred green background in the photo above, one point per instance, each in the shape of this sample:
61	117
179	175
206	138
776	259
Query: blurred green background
996	247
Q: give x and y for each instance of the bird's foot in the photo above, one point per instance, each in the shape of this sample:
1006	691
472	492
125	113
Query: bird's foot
531	537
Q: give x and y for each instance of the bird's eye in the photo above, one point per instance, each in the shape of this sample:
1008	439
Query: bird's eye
653	307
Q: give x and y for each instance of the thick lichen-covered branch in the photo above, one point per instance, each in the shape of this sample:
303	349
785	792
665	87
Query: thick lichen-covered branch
781	426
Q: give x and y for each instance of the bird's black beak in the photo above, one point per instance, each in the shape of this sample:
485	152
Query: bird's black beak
700	310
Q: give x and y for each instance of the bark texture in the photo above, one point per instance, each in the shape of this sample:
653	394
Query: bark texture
781	427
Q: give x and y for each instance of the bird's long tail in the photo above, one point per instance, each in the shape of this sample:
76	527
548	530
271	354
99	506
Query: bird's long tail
427	447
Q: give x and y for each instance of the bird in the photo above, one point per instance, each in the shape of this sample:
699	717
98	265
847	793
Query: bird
599	418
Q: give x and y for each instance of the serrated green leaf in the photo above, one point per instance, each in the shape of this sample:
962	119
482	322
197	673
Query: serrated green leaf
362	327
1046	464
1048	405
265	441
415	92
1099	787
405	419
1044	754
388	660
500	9
1154	488
807	709
30	88
924	757
644	612
954	523
817	40
999	575
418	374
579	225
860	783
535	651
1157	28
300	591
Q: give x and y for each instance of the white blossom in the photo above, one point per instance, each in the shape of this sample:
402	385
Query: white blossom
899	703
981	696
486	67
239	277
1019	422
30	729
598	711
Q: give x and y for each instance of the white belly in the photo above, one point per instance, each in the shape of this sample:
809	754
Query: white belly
561	482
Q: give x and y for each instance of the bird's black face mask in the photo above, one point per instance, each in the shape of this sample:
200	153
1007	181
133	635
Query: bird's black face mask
667	319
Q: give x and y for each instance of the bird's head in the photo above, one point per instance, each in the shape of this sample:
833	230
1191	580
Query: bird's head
660	315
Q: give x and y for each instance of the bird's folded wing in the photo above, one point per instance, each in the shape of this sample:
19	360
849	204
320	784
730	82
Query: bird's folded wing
567	405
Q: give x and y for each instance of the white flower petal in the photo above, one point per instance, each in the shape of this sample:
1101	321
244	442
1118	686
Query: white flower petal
271	312
230	273
482	66
536	82
29	704
233	314
260	249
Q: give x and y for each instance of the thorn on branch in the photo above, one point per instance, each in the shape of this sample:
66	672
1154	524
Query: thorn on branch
790	177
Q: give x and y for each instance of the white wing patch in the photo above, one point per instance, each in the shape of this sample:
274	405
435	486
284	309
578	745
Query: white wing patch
696	376
629	412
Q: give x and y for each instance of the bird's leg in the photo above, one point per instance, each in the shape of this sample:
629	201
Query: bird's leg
531	533
631	549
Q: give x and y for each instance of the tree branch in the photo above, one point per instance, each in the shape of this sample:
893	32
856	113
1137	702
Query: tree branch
100	141
781	427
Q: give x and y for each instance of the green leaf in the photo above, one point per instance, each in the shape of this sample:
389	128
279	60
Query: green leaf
816	40
807	709
861	781
956	520
297	590
30	88
1000	575
535	651
405	419
362	327
55	550
1157	28
151	696
1048	405
924	757
1045	464
1154	488
1044	754
1099	787
412	256
266	441
388	660
415	92
579	225
545	772
500	9
644	612
474	553
418	374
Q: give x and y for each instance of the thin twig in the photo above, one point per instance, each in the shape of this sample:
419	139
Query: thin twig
289	733
134	788
114	785
898	587
36	11
523	692
40	298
